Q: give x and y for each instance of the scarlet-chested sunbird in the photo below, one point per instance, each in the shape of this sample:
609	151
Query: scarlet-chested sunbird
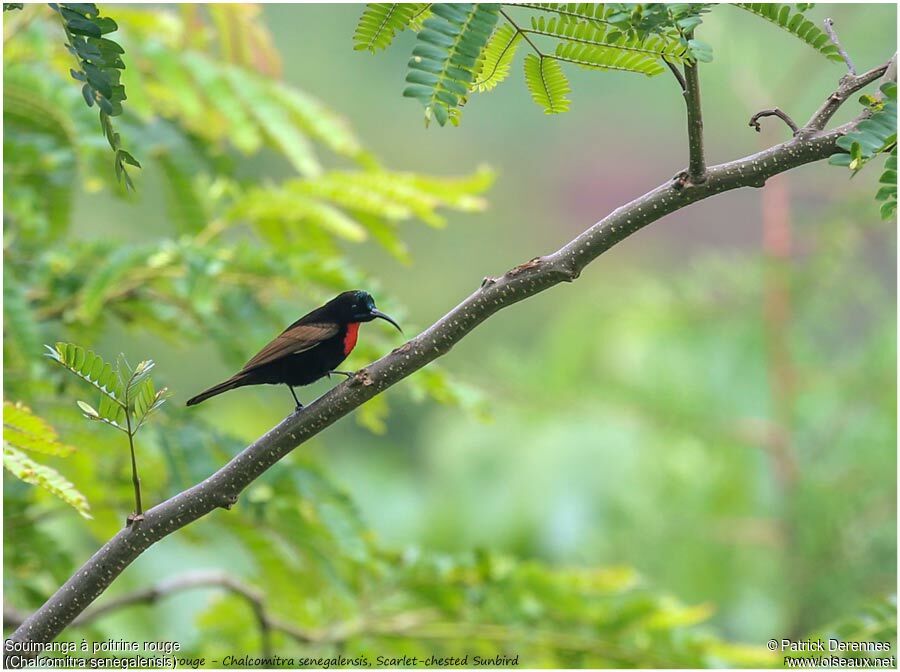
311	348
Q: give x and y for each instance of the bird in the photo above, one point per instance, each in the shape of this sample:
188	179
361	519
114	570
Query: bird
309	349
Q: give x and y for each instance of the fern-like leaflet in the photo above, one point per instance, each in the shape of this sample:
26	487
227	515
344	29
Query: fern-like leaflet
447	50
547	84
795	23
873	136
23	431
380	23
496	58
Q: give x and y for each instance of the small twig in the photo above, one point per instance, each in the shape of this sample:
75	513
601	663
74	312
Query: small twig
392	625
849	85
774	112
829	28
523	34
678	75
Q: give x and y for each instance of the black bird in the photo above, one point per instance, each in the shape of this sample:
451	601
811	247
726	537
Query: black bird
312	347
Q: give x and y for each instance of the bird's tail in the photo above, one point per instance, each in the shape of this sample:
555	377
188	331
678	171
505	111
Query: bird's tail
230	384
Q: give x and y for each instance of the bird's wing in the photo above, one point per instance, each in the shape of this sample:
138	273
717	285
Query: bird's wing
293	340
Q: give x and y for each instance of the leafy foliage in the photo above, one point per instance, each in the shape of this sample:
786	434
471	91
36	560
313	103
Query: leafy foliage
456	55
127	395
380	22
793	21
424	603
28	470
547	84
594	44
496	59
442	67
100	63
25	431
873	136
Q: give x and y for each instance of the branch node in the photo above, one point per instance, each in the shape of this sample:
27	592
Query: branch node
527	266
774	112
226	501
362	377
681	180
406	347
488	281
832	35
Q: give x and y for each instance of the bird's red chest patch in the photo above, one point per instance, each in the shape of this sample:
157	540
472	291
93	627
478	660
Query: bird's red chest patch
350	337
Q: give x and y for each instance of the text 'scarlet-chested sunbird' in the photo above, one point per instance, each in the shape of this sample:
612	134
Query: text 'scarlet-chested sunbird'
312	347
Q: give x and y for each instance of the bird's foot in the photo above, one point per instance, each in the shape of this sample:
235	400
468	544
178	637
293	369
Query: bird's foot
296	400
134	519
349	374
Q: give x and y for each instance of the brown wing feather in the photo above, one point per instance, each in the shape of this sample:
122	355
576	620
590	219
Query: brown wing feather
292	340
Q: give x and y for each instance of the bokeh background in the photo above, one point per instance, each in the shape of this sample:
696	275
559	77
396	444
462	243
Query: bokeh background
712	405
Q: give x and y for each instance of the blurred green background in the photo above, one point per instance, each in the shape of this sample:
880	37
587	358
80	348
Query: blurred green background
713	402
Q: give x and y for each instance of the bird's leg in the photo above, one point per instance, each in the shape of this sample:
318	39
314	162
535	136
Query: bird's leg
294	394
349	374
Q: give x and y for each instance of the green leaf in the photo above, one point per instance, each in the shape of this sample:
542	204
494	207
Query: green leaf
380	22
67	355
796	24
547	84
446	54
183	202
276	122
25	430
591	44
26	469
99	64
495	61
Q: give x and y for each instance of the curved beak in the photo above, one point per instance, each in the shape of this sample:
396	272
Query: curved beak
378	313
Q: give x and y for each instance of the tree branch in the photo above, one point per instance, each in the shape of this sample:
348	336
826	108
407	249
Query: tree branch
832	35
393	625
849	85
678	76
223	487
697	161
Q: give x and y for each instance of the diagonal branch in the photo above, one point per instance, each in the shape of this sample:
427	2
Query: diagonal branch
849	85
223	487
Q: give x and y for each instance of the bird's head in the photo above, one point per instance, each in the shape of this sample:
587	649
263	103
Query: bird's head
359	306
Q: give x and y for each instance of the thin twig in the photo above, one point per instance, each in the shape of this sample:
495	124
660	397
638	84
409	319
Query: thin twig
522	33
774	112
520	283
678	75
376	624
832	35
849	85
